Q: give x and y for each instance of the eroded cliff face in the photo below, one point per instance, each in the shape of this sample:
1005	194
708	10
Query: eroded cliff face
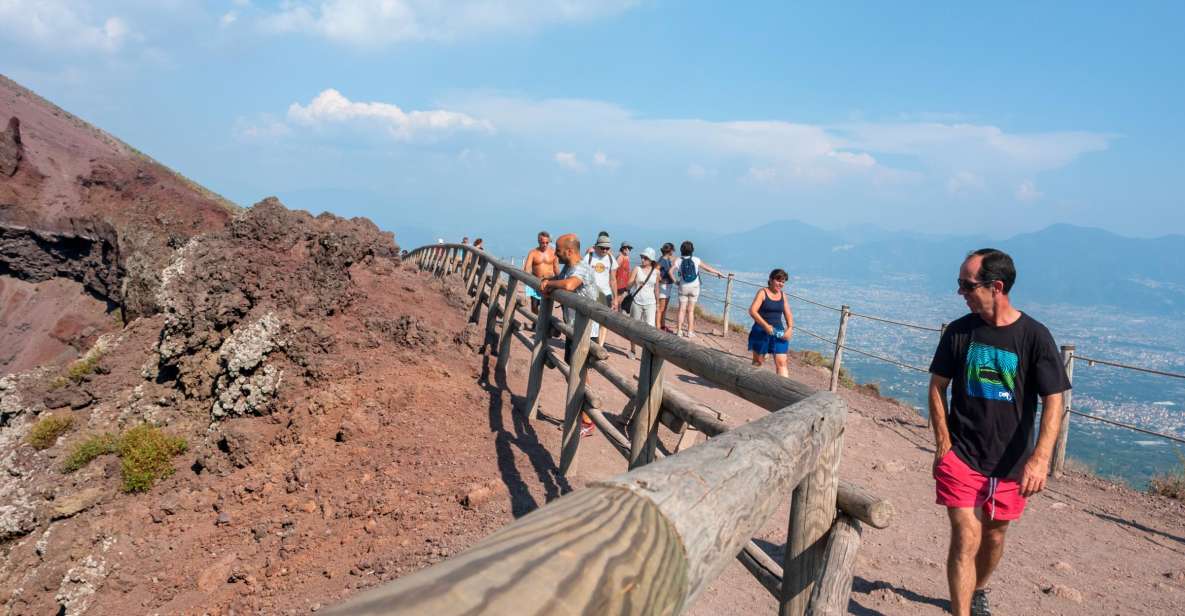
331	411
78	205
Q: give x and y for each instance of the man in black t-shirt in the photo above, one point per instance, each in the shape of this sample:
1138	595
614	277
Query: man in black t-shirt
1000	362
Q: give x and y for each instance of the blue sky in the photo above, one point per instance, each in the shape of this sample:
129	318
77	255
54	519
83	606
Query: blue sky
990	119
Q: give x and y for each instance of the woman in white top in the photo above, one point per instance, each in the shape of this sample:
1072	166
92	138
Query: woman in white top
644	289
687	277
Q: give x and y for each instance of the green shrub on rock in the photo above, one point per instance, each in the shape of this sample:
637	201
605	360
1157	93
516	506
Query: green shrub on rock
85	451
146	455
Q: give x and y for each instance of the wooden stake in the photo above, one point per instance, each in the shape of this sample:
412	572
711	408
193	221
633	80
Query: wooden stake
647	404
837	359
574	399
812	511
539	355
1063	434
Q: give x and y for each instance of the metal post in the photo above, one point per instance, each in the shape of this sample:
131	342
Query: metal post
1063	434
727	302
837	359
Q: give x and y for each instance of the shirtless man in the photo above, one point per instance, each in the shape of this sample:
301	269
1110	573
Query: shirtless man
541	263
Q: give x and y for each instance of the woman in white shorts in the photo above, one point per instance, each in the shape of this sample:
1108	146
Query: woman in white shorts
643	287
686	270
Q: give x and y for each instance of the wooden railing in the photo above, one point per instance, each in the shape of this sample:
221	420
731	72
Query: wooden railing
648	541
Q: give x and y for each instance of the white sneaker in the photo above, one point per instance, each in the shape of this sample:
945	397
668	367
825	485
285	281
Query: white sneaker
691	334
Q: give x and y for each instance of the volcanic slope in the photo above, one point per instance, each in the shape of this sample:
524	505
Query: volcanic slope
330	403
87	223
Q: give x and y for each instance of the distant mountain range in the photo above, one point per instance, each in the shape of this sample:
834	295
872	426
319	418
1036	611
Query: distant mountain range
1059	264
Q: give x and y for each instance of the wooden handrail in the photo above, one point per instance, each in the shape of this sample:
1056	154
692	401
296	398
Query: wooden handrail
819	551
852	499
646	542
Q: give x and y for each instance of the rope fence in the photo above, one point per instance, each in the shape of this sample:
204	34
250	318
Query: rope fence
741	310
1091	361
1128	426
925	328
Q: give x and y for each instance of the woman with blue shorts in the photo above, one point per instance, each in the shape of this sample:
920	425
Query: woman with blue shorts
773	323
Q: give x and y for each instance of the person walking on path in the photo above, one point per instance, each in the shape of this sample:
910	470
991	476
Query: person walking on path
577	277
666	284
622	275
686	272
604	266
642	295
1001	361
541	263
771	334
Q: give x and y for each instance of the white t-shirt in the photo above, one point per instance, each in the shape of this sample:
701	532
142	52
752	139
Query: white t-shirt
676	272
603	268
643	290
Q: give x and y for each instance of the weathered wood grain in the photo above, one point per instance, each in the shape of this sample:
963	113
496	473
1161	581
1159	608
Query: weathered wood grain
601	550
719	493
864	505
831	592
647	401
538	355
574	398
812	510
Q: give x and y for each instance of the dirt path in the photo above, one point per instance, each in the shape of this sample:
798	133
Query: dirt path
1084	546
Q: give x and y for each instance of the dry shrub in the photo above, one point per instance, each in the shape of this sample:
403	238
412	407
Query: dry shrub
47	430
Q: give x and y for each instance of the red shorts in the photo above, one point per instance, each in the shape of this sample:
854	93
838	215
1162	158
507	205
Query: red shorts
959	485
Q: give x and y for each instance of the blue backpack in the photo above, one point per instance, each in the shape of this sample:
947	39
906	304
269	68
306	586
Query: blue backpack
687	271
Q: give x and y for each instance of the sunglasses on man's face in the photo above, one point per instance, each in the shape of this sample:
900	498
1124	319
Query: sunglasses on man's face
967	286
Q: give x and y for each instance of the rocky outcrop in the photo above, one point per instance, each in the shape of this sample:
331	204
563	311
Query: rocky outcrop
242	306
11	150
86	251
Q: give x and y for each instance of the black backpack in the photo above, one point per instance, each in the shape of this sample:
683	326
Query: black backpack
687	271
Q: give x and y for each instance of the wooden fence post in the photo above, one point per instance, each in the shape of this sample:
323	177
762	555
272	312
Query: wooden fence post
1063	434
574	400
837	359
481	280
509	324
493	309
727	302
812	512
539	355
830	597
647	406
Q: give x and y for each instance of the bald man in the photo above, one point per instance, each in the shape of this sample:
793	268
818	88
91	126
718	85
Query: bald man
577	277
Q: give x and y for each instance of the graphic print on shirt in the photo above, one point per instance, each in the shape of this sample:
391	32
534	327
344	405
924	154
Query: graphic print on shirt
991	372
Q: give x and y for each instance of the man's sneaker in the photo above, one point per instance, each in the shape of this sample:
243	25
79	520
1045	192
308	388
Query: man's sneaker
587	429
691	334
979	603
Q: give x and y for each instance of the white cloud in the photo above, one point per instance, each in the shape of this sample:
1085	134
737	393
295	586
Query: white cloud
1027	192
377	23
569	161
697	171
600	159
265	128
228	18
59	25
962	157
963	183
330	108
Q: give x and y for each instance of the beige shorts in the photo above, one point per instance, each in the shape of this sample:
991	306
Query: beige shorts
689	292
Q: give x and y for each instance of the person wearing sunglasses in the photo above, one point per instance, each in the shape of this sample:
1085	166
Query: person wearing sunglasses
1001	362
